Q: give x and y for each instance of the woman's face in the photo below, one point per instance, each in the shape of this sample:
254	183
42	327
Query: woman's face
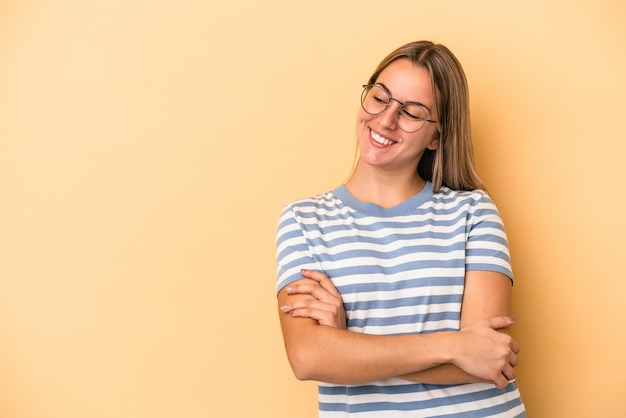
381	142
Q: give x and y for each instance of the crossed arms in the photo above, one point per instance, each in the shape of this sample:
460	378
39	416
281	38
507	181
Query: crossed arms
320	348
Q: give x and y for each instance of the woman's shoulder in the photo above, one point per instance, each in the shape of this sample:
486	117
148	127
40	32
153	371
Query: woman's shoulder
327	199
446	193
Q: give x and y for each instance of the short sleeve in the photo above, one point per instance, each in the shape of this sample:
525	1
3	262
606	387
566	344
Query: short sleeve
292	251
487	245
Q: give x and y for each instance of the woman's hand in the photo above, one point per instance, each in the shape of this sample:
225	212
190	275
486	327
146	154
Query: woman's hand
327	307
486	353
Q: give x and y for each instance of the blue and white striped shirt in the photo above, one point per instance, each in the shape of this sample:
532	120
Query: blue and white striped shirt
400	270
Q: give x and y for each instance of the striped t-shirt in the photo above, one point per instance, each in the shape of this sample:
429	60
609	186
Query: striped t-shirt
400	270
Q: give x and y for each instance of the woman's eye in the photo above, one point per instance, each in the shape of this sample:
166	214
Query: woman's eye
380	100
414	112
413	115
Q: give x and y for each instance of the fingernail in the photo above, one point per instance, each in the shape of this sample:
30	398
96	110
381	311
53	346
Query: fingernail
288	289
283	308
512	318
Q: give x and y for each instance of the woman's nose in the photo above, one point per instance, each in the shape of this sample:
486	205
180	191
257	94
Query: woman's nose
389	117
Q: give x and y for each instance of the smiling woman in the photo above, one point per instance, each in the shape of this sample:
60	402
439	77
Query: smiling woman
395	136
394	288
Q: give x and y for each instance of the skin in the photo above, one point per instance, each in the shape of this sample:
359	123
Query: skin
312	317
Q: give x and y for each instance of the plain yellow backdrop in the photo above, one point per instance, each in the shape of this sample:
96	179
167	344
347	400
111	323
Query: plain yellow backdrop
147	147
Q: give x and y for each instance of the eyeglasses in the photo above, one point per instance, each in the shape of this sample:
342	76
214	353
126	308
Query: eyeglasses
411	116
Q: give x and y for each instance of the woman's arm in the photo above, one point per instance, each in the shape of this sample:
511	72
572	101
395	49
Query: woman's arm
486	294
324	353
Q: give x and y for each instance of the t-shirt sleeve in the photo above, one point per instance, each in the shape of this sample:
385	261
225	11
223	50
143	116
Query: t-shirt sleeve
292	251
487	245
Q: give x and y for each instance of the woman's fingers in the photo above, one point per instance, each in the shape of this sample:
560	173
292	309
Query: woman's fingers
326	306
515	347
314	290
318	292
324	313
309	303
305	307
487	353
509	373
323	280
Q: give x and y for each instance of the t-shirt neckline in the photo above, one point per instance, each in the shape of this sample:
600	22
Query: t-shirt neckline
408	206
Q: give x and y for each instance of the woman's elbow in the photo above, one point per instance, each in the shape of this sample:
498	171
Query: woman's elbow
302	365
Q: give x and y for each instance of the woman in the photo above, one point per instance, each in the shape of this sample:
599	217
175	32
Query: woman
394	288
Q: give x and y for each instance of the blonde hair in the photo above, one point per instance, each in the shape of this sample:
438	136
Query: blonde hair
452	163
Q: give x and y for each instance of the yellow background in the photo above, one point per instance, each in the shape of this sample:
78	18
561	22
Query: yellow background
147	147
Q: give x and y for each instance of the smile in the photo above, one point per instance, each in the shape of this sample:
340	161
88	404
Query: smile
380	139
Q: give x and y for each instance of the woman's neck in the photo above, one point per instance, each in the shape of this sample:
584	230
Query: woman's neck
373	185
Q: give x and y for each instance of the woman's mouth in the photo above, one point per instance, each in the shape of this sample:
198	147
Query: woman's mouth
381	139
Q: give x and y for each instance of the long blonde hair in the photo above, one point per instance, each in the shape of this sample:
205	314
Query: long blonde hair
452	163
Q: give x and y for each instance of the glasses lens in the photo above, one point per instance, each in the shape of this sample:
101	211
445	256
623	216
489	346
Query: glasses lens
374	99
412	117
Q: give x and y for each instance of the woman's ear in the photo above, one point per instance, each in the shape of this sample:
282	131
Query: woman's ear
434	144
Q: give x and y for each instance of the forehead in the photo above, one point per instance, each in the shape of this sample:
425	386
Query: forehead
407	82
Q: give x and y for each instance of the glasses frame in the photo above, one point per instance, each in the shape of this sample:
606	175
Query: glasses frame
368	87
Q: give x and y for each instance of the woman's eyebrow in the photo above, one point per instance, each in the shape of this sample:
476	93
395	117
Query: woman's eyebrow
410	101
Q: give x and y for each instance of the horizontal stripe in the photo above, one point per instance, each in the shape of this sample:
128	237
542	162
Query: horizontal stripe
470	400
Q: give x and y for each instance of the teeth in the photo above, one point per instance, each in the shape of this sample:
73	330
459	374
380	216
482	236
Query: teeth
381	140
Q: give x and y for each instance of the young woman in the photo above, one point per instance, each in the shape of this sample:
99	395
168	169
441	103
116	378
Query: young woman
394	288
